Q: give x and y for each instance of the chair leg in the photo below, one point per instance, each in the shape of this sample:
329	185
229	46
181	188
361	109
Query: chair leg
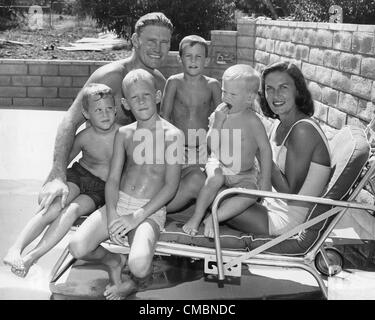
57	271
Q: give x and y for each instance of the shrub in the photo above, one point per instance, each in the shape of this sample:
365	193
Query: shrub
8	15
187	16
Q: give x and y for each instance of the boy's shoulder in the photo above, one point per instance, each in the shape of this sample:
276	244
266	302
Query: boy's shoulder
211	80
176	77
127	129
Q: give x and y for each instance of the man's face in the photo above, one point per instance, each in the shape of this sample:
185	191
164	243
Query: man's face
152	45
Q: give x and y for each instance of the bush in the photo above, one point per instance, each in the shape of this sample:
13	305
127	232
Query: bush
8	15
188	17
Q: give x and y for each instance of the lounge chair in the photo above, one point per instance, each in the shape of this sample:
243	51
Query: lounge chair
303	247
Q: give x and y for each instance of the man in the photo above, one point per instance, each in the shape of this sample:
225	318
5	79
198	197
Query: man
151	44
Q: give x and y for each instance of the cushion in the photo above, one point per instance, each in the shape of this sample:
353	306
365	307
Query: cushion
349	151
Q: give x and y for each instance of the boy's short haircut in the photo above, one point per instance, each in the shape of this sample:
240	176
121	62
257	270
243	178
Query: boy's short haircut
94	89
154	19
243	72
191	41
134	76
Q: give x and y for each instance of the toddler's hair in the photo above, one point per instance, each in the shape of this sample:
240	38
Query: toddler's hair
243	72
191	41
94	89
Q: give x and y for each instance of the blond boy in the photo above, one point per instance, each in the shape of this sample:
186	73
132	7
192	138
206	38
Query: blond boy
86	181
137	190
234	116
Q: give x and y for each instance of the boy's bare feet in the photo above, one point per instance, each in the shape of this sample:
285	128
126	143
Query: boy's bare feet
208	227
115	265
13	258
191	227
122	291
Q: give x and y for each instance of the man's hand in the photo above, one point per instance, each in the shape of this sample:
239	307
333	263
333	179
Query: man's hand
50	191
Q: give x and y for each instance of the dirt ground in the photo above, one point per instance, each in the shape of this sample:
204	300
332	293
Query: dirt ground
64	30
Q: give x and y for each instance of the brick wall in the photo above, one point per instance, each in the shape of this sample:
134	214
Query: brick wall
42	84
338	61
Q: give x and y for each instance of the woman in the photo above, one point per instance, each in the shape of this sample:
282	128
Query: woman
301	156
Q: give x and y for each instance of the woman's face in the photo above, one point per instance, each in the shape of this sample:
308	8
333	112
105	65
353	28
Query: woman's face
280	92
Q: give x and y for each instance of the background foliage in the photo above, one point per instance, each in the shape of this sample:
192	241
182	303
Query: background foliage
188	17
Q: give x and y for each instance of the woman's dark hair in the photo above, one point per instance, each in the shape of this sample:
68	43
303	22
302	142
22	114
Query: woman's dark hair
304	100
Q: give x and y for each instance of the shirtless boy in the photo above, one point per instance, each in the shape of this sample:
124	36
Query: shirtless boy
85	179
136	194
189	98
239	89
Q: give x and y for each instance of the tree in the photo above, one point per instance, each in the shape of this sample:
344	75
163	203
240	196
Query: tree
8	16
188	16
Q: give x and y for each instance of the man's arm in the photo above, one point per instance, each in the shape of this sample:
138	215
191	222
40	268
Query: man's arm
55	184
168	99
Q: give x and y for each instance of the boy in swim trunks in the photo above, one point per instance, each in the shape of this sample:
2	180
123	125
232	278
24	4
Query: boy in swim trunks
239	90
144	176
189	98
85	179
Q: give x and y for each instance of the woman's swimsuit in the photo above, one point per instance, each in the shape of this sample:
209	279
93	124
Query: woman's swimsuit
285	215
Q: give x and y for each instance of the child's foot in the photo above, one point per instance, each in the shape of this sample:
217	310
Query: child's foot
120	292
115	267
13	258
208	227
191	227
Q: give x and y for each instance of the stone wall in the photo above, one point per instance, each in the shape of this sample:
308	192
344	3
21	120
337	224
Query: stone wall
338	61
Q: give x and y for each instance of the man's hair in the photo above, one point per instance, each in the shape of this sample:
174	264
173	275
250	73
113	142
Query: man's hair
191	41
154	19
243	72
94	89
134	76
304	101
